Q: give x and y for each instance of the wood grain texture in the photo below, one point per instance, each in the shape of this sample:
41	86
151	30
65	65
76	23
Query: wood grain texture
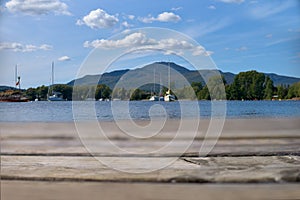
253	159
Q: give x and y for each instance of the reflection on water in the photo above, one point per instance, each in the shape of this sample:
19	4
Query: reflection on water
62	111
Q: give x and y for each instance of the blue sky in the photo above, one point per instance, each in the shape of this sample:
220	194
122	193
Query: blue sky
239	35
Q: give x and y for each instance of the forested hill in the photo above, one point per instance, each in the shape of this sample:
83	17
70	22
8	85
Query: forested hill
282	80
138	84
5	88
146	72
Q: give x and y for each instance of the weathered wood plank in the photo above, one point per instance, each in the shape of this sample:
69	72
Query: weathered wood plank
66	147
233	128
208	169
134	191
42	152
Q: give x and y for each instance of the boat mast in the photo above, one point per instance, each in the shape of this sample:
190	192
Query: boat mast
154	82
52	79
17	78
50	91
169	76
160	87
16	74
19	82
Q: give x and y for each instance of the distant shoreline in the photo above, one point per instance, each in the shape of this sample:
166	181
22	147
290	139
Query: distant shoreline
146	100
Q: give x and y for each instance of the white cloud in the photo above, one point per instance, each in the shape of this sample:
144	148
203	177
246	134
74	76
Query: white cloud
18	47
242	48
45	47
37	7
199	50
283	40
98	19
131	17
212	7
148	19
126	31
176	8
64	58
163	17
134	39
172	44
293	30
126	24
139	40
168	17
207	27
262	11
232	1
269	36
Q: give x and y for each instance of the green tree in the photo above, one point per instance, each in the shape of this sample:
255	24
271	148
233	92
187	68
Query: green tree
102	91
269	89
42	92
120	93
197	87
234	91
66	90
294	91
187	92
31	94
136	95
83	92
216	87
257	85
247	85
282	92
204	94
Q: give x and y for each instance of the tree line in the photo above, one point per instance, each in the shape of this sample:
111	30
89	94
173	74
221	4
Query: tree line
250	85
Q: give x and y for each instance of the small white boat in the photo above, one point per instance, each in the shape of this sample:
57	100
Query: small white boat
55	96
168	96
154	98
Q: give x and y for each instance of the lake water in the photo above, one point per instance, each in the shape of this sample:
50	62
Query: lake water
89	110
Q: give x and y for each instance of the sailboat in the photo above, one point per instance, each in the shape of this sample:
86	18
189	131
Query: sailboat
14	95
161	96
55	96
154	97
168	96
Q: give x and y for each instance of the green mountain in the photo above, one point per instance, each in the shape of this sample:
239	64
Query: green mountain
5	88
108	79
158	72
282	80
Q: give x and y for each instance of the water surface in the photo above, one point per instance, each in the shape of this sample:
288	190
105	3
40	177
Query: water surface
62	111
